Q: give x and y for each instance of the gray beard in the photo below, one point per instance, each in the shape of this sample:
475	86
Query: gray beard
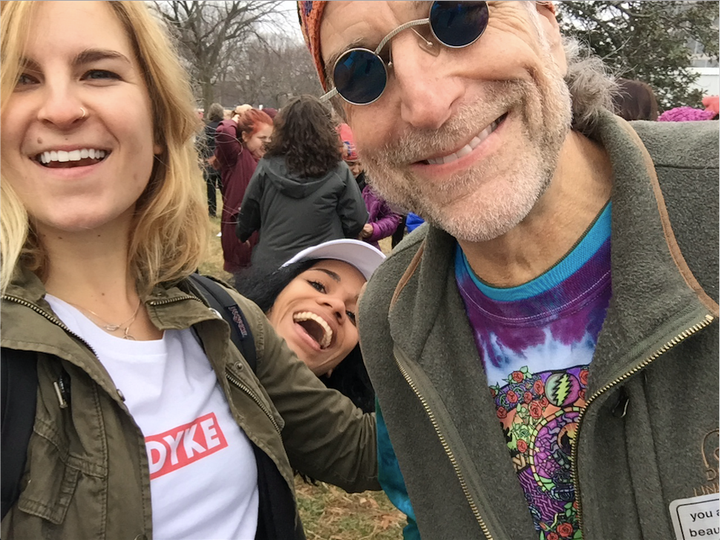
546	108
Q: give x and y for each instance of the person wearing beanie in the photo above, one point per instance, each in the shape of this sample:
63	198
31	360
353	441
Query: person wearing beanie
382	219
353	161
545	349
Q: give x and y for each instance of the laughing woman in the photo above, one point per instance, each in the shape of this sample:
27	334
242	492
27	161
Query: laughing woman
311	302
148	423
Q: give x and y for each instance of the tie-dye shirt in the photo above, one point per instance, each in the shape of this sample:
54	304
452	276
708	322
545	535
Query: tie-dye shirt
536	342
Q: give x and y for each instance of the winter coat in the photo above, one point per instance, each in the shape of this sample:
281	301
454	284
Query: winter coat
237	166
293	213
207	141
87	474
648	434
382	218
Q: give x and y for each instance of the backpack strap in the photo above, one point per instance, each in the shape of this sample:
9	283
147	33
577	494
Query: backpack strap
19	396
221	301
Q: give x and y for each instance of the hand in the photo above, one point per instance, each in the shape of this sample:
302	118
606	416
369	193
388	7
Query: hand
367	231
213	162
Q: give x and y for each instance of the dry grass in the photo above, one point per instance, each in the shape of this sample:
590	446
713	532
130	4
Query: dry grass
213	265
328	512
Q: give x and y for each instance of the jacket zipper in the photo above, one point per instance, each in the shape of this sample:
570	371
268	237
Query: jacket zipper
59	323
448	452
242	386
669	345
49	317
172	300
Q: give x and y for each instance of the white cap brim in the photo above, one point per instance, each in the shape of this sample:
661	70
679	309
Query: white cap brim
361	255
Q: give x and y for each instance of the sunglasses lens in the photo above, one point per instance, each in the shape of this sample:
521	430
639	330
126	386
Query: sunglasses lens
360	76
458	24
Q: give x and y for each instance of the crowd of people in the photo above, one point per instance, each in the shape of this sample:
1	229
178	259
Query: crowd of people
539	359
287	183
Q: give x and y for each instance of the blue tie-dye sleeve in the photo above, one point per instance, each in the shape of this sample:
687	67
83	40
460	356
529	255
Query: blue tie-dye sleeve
391	479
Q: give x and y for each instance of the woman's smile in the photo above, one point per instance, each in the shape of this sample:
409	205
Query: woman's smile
315	314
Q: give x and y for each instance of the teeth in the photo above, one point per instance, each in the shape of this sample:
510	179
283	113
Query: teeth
465	150
327	331
73	155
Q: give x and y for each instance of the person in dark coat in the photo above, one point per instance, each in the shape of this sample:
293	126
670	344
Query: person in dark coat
302	192
207	150
240	143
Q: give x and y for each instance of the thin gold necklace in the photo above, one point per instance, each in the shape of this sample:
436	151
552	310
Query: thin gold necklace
109	327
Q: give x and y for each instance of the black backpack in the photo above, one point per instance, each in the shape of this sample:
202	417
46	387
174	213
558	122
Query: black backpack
19	389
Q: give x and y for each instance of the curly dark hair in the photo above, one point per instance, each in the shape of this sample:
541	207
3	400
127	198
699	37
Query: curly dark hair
263	285
305	136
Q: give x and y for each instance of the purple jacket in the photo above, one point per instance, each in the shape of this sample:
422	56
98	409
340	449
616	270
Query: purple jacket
383	220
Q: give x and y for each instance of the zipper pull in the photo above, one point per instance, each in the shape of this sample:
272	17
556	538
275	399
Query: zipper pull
621	407
62	390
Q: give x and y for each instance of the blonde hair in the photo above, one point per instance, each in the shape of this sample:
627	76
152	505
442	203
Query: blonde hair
170	229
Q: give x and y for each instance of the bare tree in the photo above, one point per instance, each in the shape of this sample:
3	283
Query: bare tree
270	71
209	34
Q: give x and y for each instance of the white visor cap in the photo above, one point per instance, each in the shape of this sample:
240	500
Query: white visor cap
361	255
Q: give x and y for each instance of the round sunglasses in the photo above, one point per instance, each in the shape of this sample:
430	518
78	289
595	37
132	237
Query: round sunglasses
360	75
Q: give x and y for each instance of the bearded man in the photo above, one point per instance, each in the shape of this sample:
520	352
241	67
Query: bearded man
545	350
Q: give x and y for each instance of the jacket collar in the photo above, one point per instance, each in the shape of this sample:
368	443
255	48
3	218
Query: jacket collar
655	295
169	307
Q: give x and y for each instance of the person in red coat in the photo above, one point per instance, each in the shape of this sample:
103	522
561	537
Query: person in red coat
239	144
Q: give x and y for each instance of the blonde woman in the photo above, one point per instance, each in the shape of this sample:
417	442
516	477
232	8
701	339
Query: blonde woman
149	423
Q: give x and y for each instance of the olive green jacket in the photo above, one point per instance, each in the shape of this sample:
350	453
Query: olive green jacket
87	472
649	432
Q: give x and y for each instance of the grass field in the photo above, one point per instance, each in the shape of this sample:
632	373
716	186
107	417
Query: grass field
328	512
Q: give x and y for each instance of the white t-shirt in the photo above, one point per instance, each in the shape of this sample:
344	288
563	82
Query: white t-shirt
203	475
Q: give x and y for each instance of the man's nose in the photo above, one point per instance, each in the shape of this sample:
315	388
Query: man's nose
426	92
